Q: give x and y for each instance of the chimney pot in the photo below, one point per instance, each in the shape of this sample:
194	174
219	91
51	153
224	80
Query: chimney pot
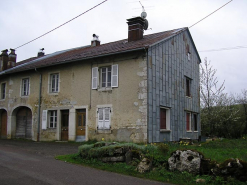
12	59
4	60
95	41
41	52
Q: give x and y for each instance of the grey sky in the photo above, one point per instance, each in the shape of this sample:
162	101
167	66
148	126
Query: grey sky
24	20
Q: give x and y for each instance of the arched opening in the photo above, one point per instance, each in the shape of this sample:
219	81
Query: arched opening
23	123
3	123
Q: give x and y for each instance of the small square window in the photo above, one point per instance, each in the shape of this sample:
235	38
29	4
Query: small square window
3	90
52	119
25	87
54	83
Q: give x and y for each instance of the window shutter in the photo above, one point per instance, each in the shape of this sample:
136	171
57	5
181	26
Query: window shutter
114	78
107	118
100	118
44	119
94	77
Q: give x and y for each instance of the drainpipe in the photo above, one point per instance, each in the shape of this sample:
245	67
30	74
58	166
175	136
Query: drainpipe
40	88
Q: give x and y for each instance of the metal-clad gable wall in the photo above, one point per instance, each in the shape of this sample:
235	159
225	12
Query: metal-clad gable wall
168	67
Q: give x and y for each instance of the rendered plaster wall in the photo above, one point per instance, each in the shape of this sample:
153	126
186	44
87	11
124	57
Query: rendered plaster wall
128	101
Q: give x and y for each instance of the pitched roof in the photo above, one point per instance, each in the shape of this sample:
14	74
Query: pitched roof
86	52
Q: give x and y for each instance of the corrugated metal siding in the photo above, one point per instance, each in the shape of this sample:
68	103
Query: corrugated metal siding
167	67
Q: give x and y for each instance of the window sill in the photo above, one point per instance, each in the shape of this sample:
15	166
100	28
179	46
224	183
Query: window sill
105	89
188	97
104	131
164	130
190	131
53	93
26	96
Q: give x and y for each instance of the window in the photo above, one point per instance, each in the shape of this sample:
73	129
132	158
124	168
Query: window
25	87
195	122
104	118
188	121
3	90
54	82
188	86
189	56
106	76
52	119
164	118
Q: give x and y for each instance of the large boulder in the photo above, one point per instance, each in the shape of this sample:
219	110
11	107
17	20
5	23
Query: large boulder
186	160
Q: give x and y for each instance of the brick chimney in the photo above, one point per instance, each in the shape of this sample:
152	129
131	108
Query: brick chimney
12	59
4	57
136	27
41	52
95	41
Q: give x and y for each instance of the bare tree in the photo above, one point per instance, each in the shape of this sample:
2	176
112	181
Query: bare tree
211	96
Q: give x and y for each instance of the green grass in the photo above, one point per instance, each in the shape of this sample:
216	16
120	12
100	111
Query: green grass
219	151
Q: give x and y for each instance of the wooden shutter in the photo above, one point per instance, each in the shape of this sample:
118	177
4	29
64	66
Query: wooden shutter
162	118
100	118
188	121
44	119
114	76
94	77
107	118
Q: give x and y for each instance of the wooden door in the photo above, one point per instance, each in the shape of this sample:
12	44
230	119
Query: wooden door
80	122
24	123
64	125
4	125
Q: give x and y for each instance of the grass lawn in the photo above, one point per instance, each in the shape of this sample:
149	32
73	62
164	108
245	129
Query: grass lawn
219	151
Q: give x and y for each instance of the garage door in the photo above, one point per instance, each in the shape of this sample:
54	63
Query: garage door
24	123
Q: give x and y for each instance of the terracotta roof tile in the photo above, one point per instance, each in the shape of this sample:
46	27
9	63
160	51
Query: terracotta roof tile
86	52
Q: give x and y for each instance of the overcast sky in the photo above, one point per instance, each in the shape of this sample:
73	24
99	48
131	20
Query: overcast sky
24	20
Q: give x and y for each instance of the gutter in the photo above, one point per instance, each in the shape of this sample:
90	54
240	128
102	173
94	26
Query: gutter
40	88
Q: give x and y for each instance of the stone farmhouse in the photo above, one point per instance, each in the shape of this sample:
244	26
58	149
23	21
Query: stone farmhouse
141	89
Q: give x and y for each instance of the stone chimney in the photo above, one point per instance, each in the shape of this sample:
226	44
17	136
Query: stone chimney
136	27
4	57
95	41
12	59
41	52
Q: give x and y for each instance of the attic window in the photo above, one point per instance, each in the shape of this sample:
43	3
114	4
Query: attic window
189	56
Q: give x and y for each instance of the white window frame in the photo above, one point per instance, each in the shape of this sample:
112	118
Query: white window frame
52	114
25	90
168	119
57	82
97	77
104	121
3	93
107	85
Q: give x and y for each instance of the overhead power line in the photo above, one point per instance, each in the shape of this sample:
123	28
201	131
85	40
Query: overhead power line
222	49
62	24
210	14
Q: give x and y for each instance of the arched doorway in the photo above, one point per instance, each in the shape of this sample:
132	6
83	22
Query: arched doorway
24	123
3	124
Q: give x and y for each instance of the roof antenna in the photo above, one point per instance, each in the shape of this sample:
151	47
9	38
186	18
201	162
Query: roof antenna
144	15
